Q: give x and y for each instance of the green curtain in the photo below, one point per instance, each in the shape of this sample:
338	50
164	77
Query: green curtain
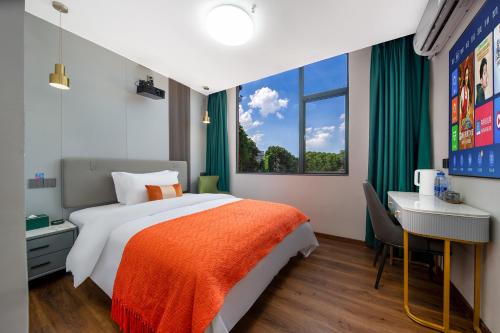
217	161
400	138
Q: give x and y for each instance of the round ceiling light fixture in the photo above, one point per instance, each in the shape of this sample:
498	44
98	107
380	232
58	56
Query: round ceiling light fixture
229	25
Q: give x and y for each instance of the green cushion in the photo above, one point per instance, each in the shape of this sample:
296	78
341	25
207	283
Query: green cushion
208	184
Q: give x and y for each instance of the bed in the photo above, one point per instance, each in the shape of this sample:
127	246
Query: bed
106	227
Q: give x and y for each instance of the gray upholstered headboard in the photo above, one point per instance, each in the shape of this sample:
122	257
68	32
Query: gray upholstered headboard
88	182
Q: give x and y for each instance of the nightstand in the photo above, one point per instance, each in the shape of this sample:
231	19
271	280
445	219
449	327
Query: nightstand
47	248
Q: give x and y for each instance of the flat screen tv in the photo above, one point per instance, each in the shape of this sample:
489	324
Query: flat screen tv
474	97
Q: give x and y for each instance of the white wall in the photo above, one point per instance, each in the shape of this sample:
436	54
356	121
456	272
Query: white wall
335	204
482	193
198	138
13	286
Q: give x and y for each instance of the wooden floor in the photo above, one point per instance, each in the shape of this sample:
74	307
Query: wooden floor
331	291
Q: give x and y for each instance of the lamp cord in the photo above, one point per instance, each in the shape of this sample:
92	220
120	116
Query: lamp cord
205	105
60	37
61	101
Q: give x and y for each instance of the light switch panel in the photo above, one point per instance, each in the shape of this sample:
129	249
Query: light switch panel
41	183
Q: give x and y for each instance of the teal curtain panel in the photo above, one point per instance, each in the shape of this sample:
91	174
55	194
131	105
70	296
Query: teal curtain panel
400	138
217	158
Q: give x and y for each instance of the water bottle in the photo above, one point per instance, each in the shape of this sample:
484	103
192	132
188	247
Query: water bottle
436	185
440	185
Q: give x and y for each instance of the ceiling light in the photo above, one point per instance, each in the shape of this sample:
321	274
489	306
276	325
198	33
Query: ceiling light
229	25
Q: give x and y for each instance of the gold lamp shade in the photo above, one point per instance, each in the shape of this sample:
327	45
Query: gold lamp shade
206	118
58	79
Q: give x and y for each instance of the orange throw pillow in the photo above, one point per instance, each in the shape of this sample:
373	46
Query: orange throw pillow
160	192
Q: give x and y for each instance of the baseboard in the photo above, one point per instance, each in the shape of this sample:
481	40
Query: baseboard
340	239
459	299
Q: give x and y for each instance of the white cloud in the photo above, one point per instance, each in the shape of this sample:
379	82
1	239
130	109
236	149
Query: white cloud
246	119
318	136
257	137
342	126
268	102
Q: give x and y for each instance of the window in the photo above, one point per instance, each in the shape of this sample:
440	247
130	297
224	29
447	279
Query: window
295	122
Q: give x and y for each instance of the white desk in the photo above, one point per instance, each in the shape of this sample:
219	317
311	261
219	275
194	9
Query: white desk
431	217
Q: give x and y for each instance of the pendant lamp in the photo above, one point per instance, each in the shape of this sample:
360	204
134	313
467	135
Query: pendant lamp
58	79
206	118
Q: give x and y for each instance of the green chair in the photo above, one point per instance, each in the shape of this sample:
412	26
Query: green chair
208	184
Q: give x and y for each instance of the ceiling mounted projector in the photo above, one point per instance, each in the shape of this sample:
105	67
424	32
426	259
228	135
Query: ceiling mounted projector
229	25
147	89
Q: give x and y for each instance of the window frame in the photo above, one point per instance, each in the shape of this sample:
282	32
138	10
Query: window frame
303	99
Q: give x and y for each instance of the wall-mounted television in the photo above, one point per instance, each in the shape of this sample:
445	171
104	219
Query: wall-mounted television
474	97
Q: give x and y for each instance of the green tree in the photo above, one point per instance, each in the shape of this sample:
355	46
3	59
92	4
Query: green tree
278	159
325	162
247	160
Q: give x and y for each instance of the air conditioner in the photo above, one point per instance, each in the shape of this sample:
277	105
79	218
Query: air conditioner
440	19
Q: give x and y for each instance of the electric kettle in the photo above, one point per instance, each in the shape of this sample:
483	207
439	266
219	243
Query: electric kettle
424	179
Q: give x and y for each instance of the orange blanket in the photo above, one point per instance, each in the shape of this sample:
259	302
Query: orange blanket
173	276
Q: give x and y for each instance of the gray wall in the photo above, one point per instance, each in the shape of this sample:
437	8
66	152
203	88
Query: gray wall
482	193
198	138
13	286
101	116
179	123
335	204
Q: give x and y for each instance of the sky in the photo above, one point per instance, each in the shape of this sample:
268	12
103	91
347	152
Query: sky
269	108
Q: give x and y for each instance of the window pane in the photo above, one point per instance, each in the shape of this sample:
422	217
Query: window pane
325	75
325	135
269	124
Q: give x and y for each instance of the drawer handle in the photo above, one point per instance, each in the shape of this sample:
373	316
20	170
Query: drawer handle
40	265
39	248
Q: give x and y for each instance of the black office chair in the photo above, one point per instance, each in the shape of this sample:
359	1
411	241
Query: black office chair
389	233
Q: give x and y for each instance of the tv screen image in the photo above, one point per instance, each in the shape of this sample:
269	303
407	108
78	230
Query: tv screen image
474	97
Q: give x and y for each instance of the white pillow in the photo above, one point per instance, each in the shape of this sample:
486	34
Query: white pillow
130	187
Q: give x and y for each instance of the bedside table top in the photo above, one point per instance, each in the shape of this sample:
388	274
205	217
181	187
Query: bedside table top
52	229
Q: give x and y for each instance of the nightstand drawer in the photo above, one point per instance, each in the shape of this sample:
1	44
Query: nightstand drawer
44	245
47	263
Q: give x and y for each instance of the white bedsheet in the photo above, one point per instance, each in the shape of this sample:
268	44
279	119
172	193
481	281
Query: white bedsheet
104	232
88	215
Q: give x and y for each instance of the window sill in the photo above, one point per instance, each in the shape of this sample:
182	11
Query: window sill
293	174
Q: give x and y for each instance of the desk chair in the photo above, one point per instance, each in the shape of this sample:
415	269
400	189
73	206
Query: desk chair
389	233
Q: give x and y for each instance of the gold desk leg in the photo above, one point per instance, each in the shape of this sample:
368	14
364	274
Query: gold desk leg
405	283
446	287
478	250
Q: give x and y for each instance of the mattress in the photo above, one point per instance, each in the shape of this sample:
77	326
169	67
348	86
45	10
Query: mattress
107	229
